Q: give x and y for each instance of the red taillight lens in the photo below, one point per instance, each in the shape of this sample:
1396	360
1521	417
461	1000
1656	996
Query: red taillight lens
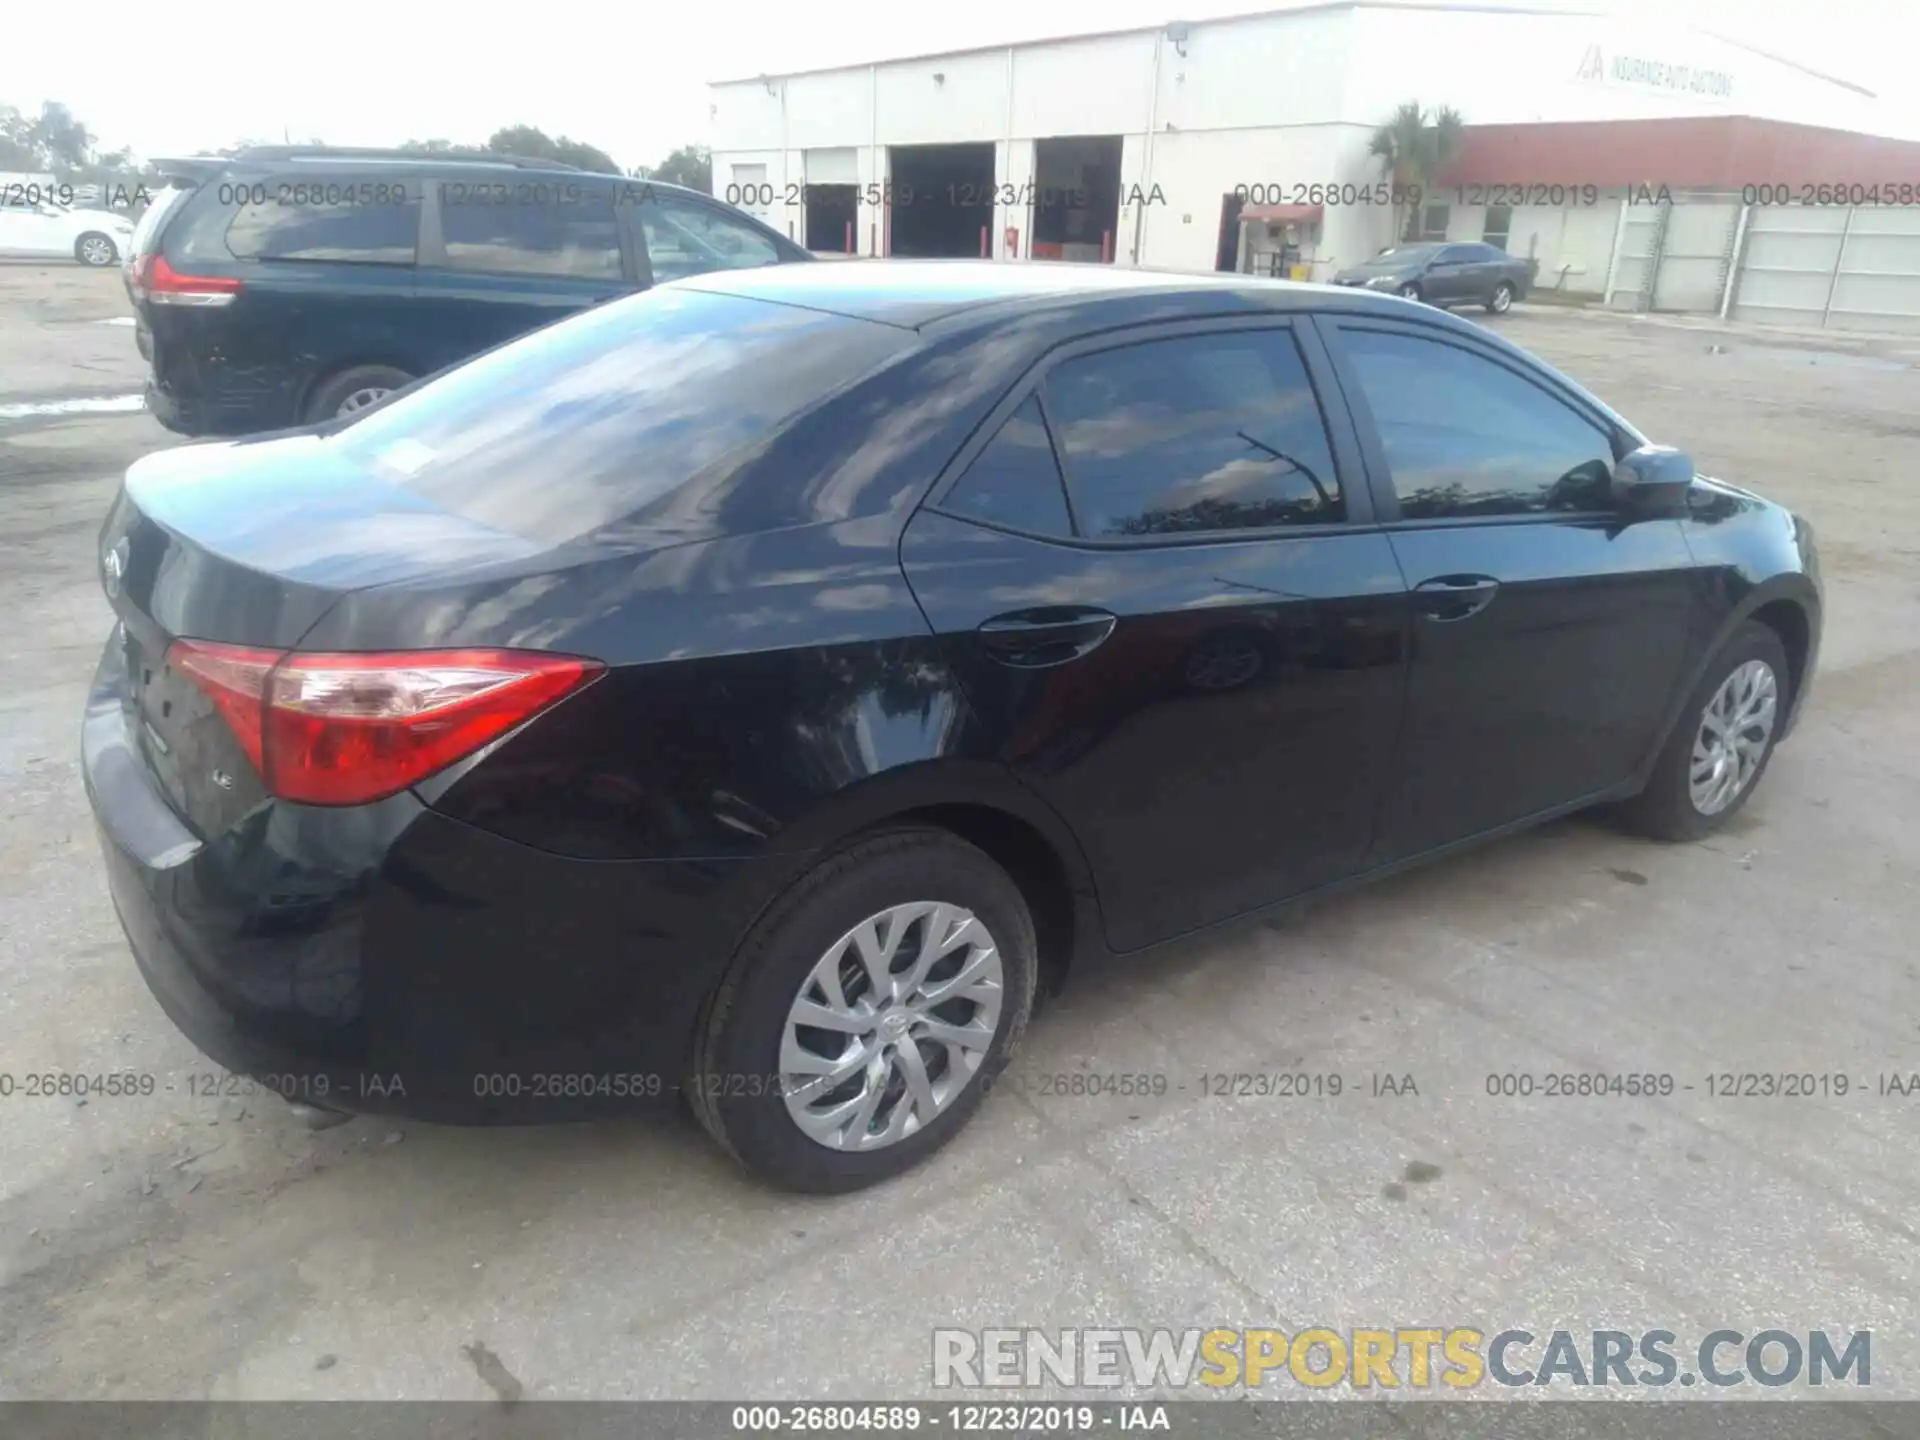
235	679
350	729
164	285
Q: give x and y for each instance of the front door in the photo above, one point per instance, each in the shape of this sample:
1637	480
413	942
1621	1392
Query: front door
1187	646
1549	627
1450	278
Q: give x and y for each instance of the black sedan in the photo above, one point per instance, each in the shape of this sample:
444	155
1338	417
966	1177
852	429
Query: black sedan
1446	274
751	691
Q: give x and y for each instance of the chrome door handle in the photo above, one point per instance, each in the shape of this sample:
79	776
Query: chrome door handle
1455	597
1046	635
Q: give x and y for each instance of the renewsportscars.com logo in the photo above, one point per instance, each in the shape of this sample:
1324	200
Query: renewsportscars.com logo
1460	1358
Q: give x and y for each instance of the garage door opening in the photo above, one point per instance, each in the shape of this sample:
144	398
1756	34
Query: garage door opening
942	199
1076	197
831	214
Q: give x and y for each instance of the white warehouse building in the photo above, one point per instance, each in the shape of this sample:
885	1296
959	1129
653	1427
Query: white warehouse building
1242	144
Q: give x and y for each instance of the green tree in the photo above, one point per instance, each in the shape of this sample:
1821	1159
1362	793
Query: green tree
62	140
1414	150
536	144
17	150
690	165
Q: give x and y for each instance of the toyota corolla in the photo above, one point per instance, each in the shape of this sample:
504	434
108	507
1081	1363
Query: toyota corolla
755	690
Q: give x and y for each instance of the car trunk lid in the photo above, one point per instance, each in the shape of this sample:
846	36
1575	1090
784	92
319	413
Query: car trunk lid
249	544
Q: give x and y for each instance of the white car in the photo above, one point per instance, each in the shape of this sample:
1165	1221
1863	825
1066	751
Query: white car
46	230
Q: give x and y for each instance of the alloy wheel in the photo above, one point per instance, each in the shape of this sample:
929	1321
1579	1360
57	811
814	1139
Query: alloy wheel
891	1025
363	397
1410	291
1732	738
1502	300
96	251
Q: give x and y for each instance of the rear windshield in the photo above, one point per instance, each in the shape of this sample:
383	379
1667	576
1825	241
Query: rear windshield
583	423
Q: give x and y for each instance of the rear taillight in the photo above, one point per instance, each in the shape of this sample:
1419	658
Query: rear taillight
349	729
160	283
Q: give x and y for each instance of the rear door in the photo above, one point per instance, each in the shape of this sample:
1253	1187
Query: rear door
1550	627
1155	571
500	257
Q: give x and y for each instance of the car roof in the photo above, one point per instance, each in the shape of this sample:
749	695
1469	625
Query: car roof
285	158
914	294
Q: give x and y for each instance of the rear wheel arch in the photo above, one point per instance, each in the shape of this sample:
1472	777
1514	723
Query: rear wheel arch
1035	865
982	805
327	376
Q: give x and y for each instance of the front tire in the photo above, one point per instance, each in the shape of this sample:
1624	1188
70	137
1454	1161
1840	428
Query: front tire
1410	291
1501	300
95	250
1717	753
866	1013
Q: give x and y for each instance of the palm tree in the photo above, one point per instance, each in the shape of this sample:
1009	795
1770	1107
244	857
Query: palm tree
1415	149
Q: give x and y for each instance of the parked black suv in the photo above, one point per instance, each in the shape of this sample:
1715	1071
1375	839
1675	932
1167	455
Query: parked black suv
286	285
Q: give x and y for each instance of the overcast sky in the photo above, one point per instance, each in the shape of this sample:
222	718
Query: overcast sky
631	78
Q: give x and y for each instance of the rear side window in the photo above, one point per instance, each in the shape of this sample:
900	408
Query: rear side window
590	420
303	218
685	237
1197	433
146	232
573	234
1464	436
1015	480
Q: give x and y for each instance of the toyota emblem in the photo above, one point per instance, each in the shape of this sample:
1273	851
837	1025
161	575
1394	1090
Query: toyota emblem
114	565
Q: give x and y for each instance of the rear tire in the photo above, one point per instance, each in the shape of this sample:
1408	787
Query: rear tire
749	1044
353	390
1501	300
95	250
1682	800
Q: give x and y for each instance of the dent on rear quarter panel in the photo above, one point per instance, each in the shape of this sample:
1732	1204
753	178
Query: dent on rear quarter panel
749	679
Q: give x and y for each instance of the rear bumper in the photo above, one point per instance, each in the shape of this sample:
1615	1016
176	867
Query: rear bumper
389	959
225	405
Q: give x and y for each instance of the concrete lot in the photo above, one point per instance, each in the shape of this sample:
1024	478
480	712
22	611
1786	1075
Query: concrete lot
189	1247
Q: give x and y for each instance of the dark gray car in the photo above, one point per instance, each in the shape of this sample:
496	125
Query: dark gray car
1446	273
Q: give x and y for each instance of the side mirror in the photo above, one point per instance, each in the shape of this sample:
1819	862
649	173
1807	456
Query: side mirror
1653	480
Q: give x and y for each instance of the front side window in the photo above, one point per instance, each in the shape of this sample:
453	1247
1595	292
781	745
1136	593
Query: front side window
345	220
1464	436
1015	481
1196	433
685	237
572	236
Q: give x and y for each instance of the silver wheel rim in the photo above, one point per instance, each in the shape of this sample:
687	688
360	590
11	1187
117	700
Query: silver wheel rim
1502	298
891	1025
96	252
363	397
1732	737
1410	292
